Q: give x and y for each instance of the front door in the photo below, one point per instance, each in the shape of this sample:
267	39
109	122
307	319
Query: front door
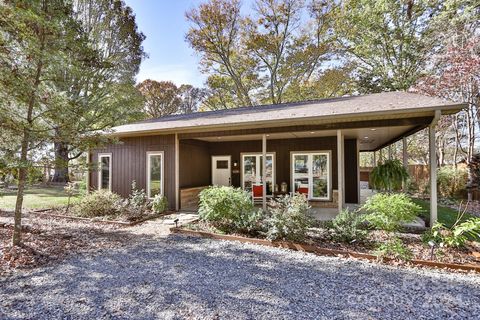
221	173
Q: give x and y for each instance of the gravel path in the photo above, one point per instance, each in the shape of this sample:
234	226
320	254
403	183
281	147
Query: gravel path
181	277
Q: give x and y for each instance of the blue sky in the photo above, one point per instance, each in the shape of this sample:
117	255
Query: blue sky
170	57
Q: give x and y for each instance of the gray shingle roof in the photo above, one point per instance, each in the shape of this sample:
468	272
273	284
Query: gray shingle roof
387	104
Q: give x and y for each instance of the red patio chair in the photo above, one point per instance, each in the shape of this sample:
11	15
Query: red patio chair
257	193
303	190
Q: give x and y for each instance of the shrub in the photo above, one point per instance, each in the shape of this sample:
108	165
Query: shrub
451	181
99	204
224	206
389	176
138	197
456	236
288	218
250	223
159	204
347	227
388	211
394	249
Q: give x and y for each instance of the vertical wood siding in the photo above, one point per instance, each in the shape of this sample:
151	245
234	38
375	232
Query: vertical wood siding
129	162
195	165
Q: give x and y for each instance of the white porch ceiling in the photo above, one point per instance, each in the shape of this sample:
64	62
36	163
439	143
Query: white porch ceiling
369	138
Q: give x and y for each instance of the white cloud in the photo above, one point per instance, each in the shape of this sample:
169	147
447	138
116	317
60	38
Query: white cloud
178	74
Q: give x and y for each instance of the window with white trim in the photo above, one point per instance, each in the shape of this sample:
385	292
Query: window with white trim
105	171
154	173
311	174
252	171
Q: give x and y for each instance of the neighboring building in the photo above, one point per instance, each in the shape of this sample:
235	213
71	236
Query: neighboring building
312	147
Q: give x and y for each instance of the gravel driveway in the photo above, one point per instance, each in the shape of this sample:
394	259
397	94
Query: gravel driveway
181	277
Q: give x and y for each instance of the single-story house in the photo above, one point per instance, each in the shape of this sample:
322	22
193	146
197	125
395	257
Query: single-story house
310	147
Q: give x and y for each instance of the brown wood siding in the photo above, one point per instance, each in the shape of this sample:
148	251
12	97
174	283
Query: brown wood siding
129	162
195	164
351	171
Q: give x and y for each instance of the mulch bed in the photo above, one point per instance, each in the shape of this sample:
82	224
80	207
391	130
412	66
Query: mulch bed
119	220
45	239
319	242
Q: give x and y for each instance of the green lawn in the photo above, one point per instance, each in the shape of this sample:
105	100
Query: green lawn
446	215
36	198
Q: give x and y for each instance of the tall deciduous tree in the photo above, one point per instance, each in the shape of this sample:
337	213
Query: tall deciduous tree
254	59
37	38
161	98
102	92
389	41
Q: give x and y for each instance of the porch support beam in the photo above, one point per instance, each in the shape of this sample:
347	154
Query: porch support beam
341	171
404	159
264	172
389	152
374	158
88	173
177	173
432	156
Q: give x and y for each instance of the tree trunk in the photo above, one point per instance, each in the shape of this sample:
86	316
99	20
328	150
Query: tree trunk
61	163
22	177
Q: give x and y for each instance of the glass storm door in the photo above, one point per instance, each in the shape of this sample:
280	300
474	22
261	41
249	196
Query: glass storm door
311	174
252	171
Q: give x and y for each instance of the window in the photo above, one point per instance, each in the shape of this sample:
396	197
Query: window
311	174
105	171
252	171
222	164
154	174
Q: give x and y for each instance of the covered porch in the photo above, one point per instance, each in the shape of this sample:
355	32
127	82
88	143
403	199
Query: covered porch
321	161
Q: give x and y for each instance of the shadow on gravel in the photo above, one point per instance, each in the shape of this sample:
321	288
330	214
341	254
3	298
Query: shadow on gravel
189	277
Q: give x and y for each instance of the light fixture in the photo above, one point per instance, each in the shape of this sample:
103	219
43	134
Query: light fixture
268	135
365	137
219	138
373	129
312	132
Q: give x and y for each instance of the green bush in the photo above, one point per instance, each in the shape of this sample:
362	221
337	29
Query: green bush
288	218
159	204
394	249
224	206
389	176
99	204
451	181
456	236
251	223
388	211
138	197
348	227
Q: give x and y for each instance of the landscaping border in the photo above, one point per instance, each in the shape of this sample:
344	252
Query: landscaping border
122	223
319	250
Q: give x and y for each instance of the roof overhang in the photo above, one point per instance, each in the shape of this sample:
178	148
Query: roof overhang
320	115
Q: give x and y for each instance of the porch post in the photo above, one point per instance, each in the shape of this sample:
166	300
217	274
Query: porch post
341	164
374	158
87	178
432	156
264	172
177	173
389	152
405	159
380	155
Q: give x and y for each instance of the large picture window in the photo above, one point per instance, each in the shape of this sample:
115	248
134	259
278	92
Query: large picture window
252	171
154	174
311	174
105	171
